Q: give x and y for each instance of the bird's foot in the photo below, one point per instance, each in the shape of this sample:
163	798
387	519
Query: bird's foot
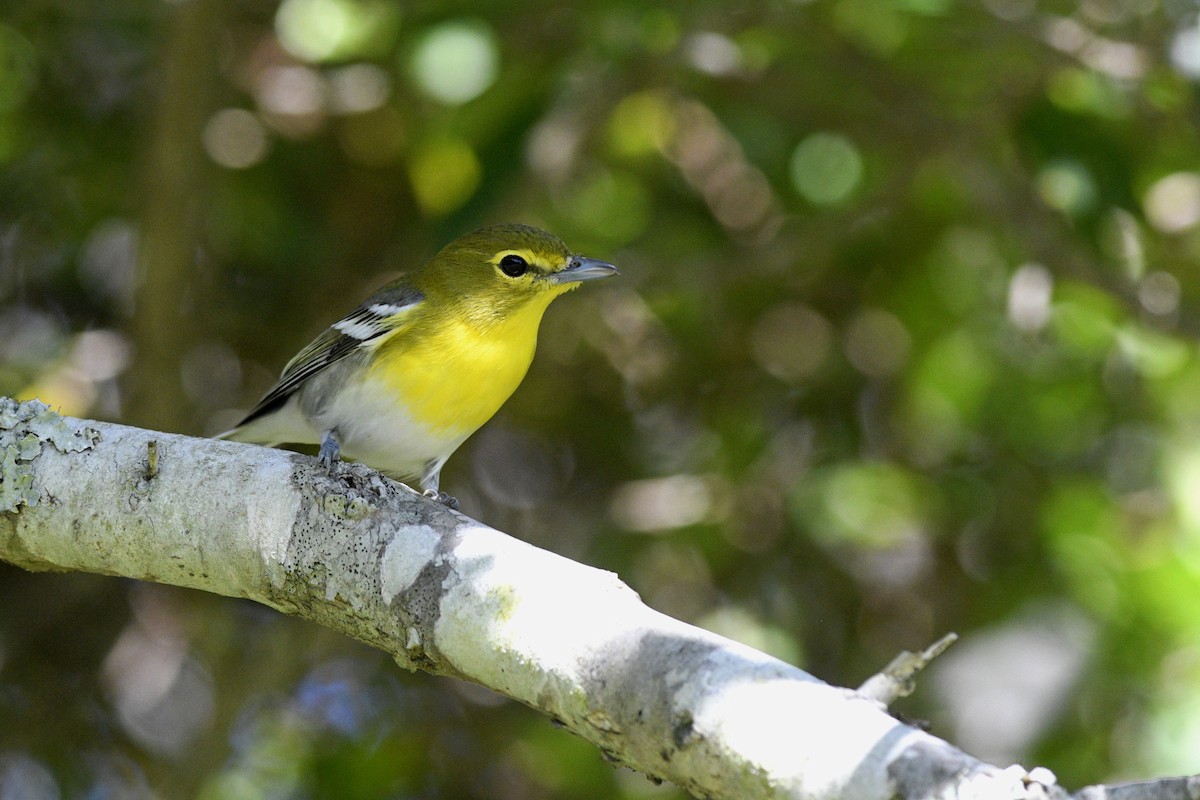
328	454
443	498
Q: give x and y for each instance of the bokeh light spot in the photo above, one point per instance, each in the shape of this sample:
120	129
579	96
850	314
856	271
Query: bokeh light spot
22	776
877	343
1003	686
660	504
359	88
826	168
713	53
291	91
1067	186
457	61
641	123
791	341
444	173
234	138
1171	738
1182	469
553	146
1085	91
1153	355
1159	293
1185	51
1029	294
292	100
869	504
1172	203
328	30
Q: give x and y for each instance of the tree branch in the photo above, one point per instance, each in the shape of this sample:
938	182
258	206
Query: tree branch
443	593
899	678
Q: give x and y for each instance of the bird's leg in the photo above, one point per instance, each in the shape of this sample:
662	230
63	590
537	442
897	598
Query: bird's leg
327	456
429	484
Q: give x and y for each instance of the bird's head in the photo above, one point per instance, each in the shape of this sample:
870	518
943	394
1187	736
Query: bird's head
499	270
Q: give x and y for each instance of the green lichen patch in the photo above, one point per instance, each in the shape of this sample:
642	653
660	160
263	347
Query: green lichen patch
16	482
24	427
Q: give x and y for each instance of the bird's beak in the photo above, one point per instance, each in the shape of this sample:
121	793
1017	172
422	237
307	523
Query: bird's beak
583	269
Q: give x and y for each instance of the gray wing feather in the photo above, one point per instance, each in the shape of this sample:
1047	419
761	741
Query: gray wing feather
382	313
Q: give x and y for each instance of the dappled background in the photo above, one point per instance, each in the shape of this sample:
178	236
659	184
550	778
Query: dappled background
904	343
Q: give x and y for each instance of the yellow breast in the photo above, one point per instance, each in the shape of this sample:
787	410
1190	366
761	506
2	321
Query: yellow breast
453	376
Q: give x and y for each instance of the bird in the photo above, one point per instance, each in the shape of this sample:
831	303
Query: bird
405	378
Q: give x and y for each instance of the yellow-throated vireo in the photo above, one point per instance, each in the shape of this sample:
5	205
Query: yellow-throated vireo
401	381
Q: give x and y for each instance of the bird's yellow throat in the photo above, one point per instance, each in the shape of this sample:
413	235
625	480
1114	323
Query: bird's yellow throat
429	370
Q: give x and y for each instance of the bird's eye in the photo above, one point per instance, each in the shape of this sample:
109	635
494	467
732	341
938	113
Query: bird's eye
513	266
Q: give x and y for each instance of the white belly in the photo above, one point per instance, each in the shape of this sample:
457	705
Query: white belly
376	430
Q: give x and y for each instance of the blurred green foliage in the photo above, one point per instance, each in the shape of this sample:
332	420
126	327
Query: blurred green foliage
904	343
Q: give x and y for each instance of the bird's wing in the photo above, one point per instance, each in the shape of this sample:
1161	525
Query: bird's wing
381	316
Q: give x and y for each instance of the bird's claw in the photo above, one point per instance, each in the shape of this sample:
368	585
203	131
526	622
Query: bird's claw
328	454
443	498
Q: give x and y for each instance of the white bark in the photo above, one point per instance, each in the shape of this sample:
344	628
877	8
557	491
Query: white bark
446	594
